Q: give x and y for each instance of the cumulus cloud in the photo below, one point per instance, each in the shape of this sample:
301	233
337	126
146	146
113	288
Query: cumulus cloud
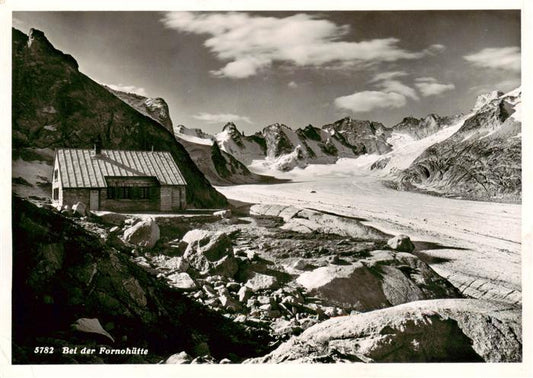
429	86
128	89
395	86
250	44
221	118
369	100
504	58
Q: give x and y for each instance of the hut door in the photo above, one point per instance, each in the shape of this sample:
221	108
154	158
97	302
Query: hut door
94	200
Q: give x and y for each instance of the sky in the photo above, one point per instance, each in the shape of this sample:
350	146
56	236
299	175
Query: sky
297	68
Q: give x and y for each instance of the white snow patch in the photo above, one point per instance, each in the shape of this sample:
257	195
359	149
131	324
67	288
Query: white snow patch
195	139
406	150
517	115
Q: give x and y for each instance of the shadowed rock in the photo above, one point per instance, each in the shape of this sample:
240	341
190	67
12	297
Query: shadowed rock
450	330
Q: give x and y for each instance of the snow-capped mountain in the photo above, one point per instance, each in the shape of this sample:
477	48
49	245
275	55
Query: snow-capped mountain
481	160
474	155
280	147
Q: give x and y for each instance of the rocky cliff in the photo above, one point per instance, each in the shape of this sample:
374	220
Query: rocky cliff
366	136
155	108
482	160
55	105
419	128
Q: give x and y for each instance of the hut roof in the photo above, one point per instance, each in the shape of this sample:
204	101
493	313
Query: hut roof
81	168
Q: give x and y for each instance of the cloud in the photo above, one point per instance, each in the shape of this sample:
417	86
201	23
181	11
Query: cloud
250	44
435	49
369	100
387	82
395	86
503	58
388	75
429	86
221	118
128	89
292	85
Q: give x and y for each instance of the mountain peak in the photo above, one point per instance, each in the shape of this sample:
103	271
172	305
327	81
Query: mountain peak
37	35
231	128
39	47
485	98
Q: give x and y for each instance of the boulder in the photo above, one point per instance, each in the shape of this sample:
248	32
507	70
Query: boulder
144	234
244	294
80	209
229	303
401	243
224	214
443	330
212	245
113	219
179	358
173	264
211	253
209	290
383	279
261	282
226	267
181	281
66	210
91	325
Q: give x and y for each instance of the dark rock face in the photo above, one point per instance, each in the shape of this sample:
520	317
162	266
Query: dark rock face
366	136
450	330
276	140
63	273
219	167
482	160
55	105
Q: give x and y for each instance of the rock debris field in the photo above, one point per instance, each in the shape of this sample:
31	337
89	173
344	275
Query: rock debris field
312	286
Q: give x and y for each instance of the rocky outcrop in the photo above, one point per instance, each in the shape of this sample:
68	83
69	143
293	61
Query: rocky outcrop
381	280
155	108
306	221
55	105
366	136
423	127
449	330
63	273
401	243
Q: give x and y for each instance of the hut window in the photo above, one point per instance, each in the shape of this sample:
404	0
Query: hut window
144	192
110	192
56	193
119	192
56	173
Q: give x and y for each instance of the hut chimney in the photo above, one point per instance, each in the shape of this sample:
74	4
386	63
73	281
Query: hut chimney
97	151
